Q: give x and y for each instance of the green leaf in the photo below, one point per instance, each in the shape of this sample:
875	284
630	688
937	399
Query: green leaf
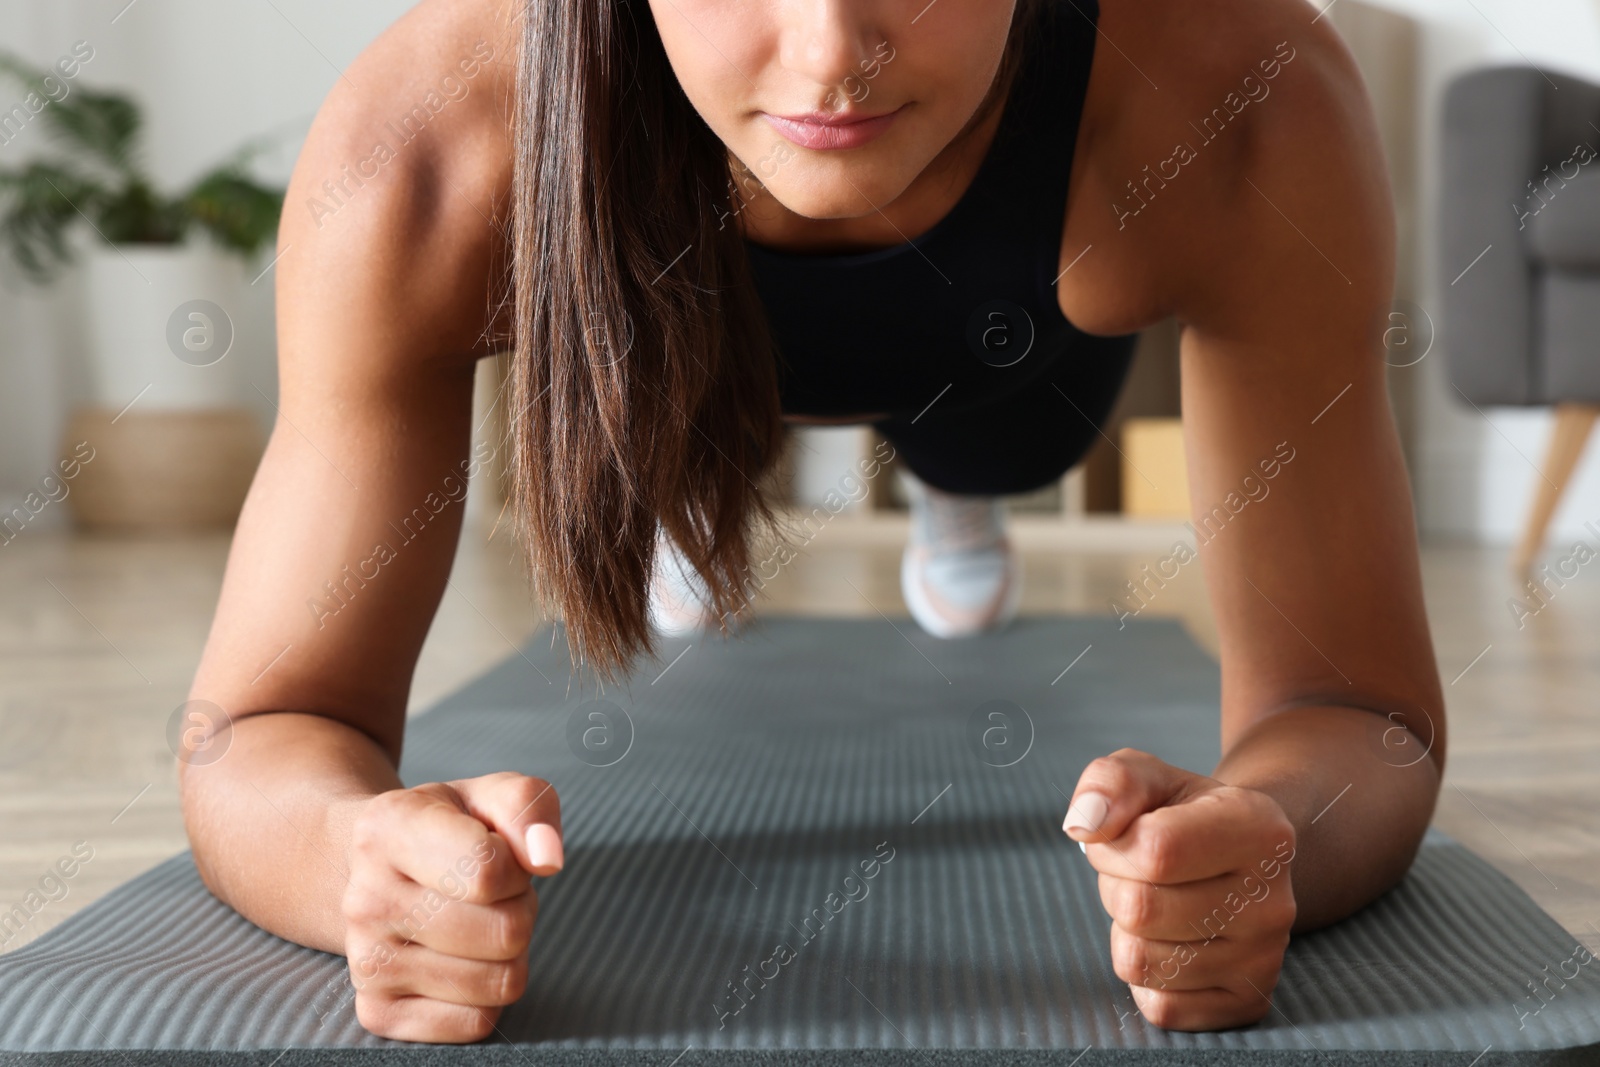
101	182
106	125
38	206
137	214
238	212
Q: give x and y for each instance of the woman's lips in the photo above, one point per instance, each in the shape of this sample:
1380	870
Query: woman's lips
829	132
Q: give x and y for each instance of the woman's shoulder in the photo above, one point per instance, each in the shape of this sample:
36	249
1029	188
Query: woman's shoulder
431	94
1183	53
1189	107
399	202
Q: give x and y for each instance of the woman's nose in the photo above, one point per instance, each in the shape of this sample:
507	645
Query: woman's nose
827	40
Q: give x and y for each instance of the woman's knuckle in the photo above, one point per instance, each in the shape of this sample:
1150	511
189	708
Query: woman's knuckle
1274	829
367	960
531	790
1161	1008
367	834
508	981
510	929
1104	765
499	933
1254	999
1110	773
373	829
478	1023
477	885
1161	852
363	906
1138	906
511	783
1124	969
1283	914
377	1014
1127	955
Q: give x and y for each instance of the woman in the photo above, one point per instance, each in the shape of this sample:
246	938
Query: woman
944	218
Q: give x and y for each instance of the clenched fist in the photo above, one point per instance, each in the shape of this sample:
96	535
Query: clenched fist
440	906
1195	875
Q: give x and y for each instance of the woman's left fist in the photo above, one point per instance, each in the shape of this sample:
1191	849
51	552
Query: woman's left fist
1195	875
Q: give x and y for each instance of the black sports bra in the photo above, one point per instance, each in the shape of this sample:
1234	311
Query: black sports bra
969	307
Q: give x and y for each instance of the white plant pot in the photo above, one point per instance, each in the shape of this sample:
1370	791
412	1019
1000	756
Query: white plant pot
162	327
168	440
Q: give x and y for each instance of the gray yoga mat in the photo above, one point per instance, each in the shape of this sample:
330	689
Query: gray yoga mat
712	821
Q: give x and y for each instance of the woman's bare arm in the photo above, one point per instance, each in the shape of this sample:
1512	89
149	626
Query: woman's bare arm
1269	234
1331	698
388	253
1272	242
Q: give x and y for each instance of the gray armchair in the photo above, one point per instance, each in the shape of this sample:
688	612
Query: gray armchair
1519	233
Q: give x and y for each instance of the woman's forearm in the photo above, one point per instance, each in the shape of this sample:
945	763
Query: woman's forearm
270	820
1359	806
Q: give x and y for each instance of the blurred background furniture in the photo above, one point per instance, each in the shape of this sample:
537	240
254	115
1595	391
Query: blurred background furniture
1520	204
1155	471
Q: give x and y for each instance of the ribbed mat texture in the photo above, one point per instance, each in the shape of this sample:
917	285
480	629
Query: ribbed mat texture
734	803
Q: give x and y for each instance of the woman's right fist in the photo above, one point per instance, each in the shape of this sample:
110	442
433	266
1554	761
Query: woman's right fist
440	906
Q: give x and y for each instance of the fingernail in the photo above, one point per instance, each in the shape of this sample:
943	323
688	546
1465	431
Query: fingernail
544	848
1087	812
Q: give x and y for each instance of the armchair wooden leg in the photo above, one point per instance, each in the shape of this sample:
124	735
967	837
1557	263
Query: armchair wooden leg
1567	438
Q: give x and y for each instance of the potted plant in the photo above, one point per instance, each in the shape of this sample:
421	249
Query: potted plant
168	421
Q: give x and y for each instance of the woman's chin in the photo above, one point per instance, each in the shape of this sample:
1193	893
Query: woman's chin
839	195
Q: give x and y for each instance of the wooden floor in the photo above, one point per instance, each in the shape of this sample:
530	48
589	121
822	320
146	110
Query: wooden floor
100	638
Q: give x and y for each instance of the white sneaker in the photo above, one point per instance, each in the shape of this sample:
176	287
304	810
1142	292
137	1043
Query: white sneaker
959	575
678	602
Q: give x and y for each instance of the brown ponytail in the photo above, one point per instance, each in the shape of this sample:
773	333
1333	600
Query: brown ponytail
644	382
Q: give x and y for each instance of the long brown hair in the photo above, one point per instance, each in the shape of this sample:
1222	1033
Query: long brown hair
643	387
